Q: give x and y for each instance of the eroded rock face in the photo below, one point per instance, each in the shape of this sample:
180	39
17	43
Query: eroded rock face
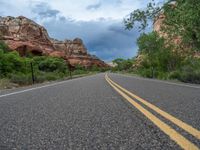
26	36
177	40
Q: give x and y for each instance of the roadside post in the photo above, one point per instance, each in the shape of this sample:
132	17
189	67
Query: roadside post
32	73
70	70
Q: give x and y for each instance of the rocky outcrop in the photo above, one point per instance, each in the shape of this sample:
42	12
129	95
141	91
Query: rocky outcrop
26	36
158	25
176	40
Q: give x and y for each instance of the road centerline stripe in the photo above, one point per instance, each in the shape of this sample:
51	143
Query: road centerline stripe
188	128
174	135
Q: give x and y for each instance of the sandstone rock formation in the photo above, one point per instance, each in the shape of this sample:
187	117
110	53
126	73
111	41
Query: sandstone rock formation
26	36
177	40
157	26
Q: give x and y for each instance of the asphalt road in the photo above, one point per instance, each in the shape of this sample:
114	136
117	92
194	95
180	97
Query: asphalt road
87	113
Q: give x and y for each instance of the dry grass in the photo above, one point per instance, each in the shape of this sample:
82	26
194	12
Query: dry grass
6	84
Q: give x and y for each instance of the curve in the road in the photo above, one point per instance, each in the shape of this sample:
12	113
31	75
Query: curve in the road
181	124
178	138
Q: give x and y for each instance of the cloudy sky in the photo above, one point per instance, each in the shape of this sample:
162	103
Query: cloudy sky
98	22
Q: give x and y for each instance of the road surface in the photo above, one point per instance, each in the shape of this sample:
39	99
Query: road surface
101	112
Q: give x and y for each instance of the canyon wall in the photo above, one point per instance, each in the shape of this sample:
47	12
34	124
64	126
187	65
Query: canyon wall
26	36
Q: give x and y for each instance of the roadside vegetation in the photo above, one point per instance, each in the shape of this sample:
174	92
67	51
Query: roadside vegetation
16	70
155	60
159	56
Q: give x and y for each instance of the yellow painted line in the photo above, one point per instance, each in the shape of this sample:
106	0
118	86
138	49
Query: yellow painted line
178	138
179	123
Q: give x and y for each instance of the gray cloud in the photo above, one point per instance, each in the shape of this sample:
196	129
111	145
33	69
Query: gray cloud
45	11
119	29
104	37
107	40
94	6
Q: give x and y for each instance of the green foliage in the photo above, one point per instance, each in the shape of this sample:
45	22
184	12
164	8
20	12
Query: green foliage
49	76
4	47
122	64
95	68
143	16
161	62
160	67
150	43
11	63
79	67
16	69
21	79
190	71
159	58
50	64
181	19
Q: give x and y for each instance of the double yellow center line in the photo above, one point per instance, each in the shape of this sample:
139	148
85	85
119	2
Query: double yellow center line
174	135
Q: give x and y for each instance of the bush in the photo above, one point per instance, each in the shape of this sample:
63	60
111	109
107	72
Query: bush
11	63
145	73
190	75
51	77
48	76
40	78
79	67
46	68
174	75
4	47
122	64
21	79
50	64
77	72
95	68
162	75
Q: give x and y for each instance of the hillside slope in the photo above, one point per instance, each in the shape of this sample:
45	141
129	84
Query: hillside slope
26	36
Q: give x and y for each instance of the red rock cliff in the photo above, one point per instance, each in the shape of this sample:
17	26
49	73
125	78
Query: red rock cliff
26	36
176	40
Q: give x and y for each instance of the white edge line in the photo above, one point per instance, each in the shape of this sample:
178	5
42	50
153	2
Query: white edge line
155	80
53	84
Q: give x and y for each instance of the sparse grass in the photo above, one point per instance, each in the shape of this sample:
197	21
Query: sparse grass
6	84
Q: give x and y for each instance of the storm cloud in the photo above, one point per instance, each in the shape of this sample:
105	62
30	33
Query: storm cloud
98	22
44	10
106	39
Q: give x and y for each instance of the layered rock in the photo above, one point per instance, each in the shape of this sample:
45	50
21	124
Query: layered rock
26	36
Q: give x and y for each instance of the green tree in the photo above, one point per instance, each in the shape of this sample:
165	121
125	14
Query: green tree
50	64
181	19
122	64
159	58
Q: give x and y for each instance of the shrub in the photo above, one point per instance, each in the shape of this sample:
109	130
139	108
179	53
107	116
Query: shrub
11	63
50	64
145	73
95	68
174	75
4	47
21	79
79	67
77	72
122	64
190	75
